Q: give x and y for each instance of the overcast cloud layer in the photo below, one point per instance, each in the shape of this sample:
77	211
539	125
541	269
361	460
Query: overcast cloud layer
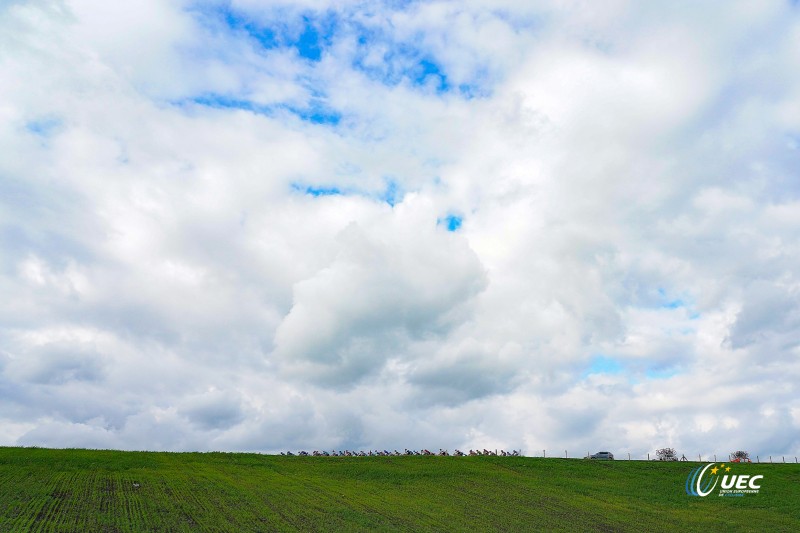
265	225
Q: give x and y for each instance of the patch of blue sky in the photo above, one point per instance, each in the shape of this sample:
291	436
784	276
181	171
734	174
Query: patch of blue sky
602	364
311	33
393	194
673	304
468	91
661	373
310	42
313	190
428	73
399	5
316	112
406	62
216	14
667	301
403	63
308	32
220	101
43	127
395	60
450	222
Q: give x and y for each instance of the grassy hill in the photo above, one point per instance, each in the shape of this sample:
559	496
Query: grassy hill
85	490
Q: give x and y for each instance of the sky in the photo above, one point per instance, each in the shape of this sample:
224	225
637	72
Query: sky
263	225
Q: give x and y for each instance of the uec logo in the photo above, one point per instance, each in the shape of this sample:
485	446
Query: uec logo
739	484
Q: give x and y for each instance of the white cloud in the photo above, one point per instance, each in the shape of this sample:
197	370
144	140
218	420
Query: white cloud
396	280
214	239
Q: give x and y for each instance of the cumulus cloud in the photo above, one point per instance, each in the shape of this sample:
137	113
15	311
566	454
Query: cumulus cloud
401	279
260	225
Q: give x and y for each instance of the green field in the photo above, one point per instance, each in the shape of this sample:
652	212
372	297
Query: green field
85	490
